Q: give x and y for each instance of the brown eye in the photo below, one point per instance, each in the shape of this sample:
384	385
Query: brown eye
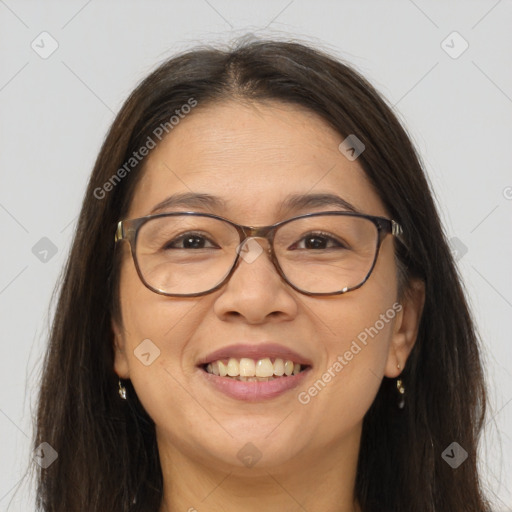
317	241
190	241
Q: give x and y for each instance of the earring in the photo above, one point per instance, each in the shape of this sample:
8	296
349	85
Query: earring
401	390
122	391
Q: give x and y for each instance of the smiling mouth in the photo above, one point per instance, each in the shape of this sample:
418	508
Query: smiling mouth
254	370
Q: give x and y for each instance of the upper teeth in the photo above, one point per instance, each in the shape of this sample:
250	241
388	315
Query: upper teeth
246	367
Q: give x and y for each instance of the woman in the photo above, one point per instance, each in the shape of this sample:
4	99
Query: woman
260	310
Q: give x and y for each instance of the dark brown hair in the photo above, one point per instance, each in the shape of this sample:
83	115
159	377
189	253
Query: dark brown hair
107	455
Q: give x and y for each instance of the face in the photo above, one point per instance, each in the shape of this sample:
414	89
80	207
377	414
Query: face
253	157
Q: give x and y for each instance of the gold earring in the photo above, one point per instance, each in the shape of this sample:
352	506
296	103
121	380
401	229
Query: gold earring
401	390
122	391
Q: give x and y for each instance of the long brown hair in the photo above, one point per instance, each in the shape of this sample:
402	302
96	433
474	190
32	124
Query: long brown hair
107	455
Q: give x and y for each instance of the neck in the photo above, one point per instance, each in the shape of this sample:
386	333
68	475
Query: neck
323	480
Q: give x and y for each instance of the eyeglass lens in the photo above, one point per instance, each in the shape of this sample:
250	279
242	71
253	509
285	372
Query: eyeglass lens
192	254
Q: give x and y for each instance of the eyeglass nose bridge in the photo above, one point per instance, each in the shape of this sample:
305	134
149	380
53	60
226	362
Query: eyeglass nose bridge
256	232
248	233
250	253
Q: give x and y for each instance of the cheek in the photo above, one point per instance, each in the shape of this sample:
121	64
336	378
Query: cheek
367	320
346	385
156	332
360	323
356	330
165	320
360	331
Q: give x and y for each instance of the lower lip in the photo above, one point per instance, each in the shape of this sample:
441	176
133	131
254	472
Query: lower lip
254	391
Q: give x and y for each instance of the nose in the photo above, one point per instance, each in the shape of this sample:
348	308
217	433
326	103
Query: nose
256	293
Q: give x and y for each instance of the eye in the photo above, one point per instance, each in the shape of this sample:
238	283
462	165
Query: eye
190	241
318	241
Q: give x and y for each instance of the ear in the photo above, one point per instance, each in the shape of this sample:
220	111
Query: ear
121	366
405	329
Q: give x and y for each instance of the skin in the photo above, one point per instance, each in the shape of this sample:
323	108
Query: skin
253	155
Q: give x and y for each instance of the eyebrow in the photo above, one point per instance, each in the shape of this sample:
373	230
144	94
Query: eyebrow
190	200
291	203
304	201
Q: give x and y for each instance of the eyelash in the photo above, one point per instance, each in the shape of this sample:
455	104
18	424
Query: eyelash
184	237
327	236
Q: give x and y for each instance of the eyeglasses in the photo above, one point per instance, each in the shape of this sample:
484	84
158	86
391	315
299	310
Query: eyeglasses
189	254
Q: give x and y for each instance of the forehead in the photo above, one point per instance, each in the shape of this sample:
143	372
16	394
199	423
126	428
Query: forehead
252	156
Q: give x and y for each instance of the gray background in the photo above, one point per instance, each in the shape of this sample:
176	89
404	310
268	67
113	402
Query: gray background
55	112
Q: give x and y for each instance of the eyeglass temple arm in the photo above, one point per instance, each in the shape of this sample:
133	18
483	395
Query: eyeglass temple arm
396	229
119	231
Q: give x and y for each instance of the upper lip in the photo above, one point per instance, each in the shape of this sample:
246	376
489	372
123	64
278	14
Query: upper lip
260	351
